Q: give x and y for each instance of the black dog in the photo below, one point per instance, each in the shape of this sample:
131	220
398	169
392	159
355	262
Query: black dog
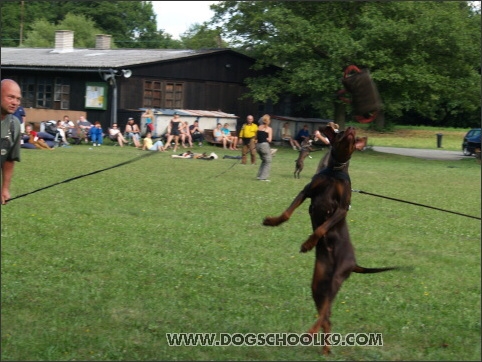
304	152
330	194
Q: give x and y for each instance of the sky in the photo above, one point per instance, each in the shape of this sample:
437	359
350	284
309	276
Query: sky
175	17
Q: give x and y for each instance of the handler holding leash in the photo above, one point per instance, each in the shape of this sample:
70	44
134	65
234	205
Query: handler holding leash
10	134
248	136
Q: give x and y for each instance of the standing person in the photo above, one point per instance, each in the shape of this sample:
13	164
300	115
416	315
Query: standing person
10	134
286	136
264	136
133	132
148	115
173	131
319	138
248	137
196	133
22	117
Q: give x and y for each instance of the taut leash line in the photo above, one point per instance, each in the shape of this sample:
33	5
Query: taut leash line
81	176
417	204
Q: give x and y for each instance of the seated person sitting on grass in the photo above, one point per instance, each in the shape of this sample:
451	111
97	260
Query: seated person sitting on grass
116	135
33	139
150	146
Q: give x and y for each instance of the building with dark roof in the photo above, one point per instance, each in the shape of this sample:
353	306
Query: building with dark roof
110	85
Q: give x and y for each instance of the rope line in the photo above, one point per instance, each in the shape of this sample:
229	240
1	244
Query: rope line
152	153
84	175
417	204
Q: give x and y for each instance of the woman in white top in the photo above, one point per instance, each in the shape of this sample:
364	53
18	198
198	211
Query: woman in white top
286	136
116	135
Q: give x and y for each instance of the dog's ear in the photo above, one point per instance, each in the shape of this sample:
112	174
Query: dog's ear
360	143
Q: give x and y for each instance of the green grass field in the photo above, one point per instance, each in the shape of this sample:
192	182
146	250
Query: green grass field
102	267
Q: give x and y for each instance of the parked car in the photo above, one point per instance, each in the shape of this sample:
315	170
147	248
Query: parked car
471	141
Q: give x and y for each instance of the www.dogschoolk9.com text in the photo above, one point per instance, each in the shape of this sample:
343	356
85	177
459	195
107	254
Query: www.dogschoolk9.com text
274	339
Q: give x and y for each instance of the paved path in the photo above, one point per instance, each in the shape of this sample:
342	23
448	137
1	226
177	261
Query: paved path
423	153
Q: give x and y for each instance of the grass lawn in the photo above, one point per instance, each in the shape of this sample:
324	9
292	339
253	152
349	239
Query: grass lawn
102	267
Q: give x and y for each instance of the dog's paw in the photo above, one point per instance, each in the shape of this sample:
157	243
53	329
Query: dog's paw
308	245
270	221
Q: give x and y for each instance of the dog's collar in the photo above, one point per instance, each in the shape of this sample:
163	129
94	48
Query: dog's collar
331	171
338	166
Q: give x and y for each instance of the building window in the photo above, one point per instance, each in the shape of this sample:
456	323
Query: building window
28	87
152	94
62	93
159	94
40	92
44	93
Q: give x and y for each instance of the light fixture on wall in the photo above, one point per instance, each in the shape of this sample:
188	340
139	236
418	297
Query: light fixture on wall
109	76
228	66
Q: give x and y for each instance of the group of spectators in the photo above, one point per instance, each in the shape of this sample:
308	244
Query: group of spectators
57	134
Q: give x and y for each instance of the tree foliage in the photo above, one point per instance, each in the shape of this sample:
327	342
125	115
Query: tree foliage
42	33
424	56
200	36
132	24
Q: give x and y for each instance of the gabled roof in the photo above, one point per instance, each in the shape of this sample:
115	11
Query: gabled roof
300	119
191	112
96	58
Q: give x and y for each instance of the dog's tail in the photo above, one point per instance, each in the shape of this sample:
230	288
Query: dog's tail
362	270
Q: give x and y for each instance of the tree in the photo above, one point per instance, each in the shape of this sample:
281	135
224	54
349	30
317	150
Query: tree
420	54
132	24
199	36
43	32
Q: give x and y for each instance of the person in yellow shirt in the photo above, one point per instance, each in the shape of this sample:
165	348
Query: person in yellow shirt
149	145
248	137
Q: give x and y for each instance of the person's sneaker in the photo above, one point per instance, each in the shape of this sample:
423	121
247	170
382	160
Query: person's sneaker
200	144
294	148
93	145
263	179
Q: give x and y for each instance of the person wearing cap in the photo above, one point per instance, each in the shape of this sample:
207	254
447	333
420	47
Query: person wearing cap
248	137
133	132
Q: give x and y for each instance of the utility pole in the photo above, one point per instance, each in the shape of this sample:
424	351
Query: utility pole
21	22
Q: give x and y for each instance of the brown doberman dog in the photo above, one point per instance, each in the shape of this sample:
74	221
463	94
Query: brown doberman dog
330	194
304	152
